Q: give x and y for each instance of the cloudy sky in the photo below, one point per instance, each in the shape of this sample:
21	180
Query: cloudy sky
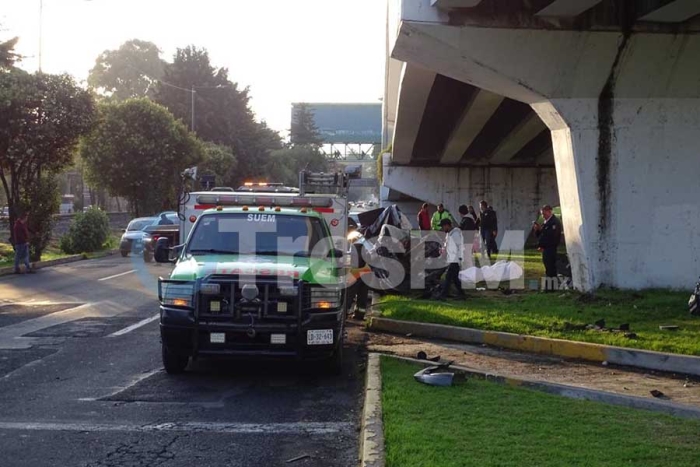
285	50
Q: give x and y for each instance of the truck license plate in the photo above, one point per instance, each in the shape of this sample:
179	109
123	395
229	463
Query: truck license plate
217	337
319	337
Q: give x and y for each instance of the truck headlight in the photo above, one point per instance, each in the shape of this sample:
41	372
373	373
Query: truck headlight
325	297
178	294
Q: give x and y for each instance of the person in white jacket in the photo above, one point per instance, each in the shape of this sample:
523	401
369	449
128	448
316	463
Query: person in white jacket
454	249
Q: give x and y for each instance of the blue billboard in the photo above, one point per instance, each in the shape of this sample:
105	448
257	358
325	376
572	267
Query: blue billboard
346	123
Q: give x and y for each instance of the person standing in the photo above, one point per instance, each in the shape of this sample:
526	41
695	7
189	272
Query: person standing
21	239
453	249
488	225
476	246
548	238
468	227
424	218
439	215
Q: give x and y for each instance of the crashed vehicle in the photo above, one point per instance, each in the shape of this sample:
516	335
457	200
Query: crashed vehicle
400	262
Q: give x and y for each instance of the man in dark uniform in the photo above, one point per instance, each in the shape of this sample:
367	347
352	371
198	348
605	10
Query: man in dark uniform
488	224
548	238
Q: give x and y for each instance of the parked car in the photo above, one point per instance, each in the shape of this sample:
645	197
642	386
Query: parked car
132	238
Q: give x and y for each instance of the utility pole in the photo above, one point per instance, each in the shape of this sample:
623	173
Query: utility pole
192	121
41	30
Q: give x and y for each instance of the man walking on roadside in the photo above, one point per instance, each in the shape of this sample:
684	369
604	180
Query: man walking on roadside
454	249
21	239
548	238
488	224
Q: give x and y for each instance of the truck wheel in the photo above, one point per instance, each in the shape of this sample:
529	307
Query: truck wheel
335	362
124	253
173	363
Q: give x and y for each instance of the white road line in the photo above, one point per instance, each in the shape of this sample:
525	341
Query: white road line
116	275
37	303
316	428
143	322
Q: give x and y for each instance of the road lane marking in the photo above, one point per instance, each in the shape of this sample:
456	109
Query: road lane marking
143	322
117	275
11	336
316	428
37	303
119	389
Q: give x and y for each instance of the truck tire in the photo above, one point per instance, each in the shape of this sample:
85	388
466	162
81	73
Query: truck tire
335	362
173	363
124	253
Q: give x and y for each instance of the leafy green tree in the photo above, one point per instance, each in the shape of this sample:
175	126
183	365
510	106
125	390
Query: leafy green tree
42	117
304	130
138	151
220	162
222	113
41	200
285	164
128	72
7	55
88	232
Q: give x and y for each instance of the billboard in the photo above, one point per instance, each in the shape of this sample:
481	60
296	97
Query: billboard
346	123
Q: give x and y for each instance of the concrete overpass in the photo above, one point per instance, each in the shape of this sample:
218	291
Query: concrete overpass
591	104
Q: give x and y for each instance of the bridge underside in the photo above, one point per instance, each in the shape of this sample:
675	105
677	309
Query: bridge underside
591	104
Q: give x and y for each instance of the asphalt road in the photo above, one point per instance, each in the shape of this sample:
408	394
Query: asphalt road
81	384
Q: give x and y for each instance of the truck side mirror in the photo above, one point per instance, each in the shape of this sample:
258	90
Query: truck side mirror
161	252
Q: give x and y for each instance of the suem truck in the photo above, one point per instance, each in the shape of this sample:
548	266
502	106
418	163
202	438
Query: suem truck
259	275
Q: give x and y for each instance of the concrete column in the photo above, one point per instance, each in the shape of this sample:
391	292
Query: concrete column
624	111
631	195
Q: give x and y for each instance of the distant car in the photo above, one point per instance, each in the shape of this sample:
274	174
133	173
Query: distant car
132	239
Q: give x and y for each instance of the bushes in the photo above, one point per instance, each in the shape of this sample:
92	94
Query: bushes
88	232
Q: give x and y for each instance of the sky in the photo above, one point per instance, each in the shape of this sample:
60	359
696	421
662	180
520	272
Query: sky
285	50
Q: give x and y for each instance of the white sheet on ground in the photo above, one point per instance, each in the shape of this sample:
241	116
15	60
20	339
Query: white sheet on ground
499	271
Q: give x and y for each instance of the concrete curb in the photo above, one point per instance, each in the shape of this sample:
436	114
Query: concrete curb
372	434
573	392
648	359
55	262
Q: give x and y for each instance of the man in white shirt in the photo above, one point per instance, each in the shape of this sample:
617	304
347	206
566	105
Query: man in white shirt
454	249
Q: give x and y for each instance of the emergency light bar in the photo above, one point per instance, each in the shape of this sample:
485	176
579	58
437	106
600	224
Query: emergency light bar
248	200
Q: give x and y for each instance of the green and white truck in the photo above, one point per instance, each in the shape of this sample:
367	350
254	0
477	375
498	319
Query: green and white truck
259	275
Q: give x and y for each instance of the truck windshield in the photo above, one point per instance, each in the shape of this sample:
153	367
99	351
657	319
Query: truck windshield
259	233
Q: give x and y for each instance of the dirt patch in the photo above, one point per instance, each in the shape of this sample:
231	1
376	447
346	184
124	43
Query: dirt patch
621	380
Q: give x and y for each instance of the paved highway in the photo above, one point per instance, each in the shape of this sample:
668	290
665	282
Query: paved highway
81	384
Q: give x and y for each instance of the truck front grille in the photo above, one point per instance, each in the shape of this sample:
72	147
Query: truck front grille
271	304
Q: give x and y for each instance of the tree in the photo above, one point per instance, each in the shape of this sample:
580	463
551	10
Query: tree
304	129
138	151
220	162
222	113
285	164
7	55
41	119
128	72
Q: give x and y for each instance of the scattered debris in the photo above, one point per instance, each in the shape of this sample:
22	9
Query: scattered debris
298	458
668	328
625	388
624	327
605	363
434	359
631	335
421	355
657	393
435	375
410	334
600	323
